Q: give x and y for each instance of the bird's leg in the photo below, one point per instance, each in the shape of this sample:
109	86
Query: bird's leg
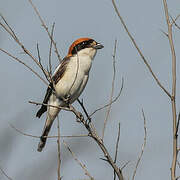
66	98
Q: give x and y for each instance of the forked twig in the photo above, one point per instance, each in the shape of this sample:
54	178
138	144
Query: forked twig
174	21
21	62
39	57
50	50
46	28
92	133
125	165
143	146
10	31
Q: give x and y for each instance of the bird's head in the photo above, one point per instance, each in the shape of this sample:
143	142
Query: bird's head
84	46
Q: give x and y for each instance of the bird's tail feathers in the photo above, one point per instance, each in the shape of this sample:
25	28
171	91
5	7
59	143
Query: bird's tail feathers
52	113
43	138
41	111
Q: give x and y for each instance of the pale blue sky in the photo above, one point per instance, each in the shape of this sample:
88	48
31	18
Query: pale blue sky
96	19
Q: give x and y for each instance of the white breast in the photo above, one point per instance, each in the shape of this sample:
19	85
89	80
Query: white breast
75	78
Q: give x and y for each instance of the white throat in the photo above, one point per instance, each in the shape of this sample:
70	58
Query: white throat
91	52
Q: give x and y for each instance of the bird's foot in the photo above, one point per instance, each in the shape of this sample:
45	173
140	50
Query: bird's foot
66	99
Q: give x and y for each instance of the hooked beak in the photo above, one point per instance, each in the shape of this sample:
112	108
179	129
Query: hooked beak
98	46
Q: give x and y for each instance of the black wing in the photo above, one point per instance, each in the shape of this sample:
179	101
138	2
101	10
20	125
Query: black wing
45	101
56	77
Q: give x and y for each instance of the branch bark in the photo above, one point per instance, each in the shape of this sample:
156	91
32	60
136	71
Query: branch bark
173	96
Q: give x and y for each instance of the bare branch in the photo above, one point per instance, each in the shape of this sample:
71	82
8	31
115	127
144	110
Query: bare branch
39	57
139	51
173	96
125	165
33	136
50	50
9	30
113	101
174	21
76	159
18	60
46	28
143	146
112	90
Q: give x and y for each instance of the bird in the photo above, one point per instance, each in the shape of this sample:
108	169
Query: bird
68	81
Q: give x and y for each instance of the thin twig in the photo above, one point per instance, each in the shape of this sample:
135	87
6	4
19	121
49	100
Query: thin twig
39	57
59	150
5	174
116	152
9	30
174	21
143	146
50	50
77	160
112	90
21	62
125	165
46	28
139	51
113	101
173	96
177	17
164	33
33	136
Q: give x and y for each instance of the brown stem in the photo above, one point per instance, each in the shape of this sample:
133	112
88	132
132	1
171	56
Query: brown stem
173	96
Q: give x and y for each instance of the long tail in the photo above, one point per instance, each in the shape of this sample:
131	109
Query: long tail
51	115
43	138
